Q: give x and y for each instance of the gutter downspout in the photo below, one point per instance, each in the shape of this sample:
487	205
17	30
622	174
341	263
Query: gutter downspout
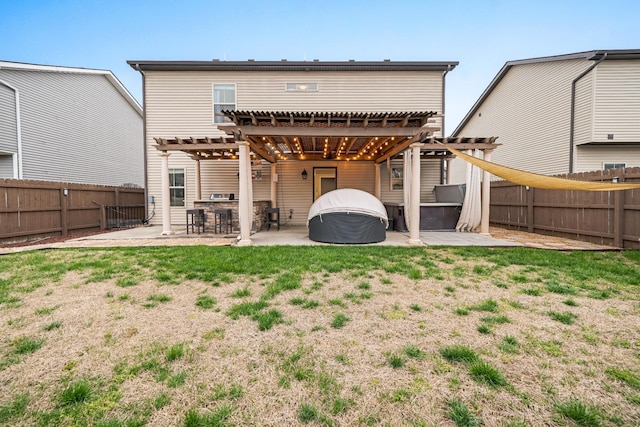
144	140
573	108
444	178
18	127
444	74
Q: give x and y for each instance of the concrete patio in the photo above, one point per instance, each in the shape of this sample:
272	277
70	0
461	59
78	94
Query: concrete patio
295	235
299	236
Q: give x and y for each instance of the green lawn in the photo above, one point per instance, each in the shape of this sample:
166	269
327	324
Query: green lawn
214	336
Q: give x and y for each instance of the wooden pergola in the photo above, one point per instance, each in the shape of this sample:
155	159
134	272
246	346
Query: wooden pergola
317	136
279	136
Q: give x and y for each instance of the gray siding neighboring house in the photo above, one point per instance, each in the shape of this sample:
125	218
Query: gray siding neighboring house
560	114
69	124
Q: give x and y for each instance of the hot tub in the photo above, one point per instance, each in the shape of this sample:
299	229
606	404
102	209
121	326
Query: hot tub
442	215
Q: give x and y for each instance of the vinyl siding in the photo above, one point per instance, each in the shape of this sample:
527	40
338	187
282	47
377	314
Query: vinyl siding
529	112
78	128
187	96
8	133
583	121
297	194
180	104
292	191
617	101
177	160
429	177
592	157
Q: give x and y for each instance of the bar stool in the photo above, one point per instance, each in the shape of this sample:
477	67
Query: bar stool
195	218
222	217
273	217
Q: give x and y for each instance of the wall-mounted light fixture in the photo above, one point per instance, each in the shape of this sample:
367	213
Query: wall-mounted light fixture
615	179
304	174
65	191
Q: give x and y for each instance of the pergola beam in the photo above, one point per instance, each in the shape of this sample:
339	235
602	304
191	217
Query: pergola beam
403	146
196	147
459	146
256	148
328	131
395	150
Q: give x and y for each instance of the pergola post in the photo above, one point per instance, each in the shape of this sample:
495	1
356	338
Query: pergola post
414	211
274	185
198	181
376	190
245	203
166	195
486	196
447	168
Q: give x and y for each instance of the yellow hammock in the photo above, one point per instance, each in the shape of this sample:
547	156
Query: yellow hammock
541	181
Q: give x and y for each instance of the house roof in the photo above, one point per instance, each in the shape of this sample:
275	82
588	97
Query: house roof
346	136
592	55
55	69
285	65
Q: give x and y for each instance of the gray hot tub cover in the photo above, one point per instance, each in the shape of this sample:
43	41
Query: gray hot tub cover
348	200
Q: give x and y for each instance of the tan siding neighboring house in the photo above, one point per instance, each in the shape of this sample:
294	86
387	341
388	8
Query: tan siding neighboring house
528	106
617	101
584	112
596	156
180	104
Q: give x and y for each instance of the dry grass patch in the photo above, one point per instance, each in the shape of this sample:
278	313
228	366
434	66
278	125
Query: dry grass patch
343	336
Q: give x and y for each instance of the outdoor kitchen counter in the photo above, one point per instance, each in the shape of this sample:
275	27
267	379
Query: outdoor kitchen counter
209	206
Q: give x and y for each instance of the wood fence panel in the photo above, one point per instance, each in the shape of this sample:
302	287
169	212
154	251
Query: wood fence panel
603	217
509	206
129	197
40	208
631	216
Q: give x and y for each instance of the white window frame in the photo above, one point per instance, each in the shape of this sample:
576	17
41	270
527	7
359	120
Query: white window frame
14	163
613	165
222	119
173	187
301	87
396	178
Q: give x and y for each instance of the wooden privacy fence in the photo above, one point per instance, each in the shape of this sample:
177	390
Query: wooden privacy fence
604	217
41	208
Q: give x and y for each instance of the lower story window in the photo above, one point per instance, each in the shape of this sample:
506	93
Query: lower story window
615	165
176	187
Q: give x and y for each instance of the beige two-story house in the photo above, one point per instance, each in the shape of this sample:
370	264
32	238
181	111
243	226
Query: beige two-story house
287	132
561	114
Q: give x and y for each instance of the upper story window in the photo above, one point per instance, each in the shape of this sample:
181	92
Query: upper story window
224	98
176	187
302	87
614	165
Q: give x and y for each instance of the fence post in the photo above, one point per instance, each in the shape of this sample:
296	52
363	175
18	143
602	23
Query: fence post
63	211
618	215
530	197
117	203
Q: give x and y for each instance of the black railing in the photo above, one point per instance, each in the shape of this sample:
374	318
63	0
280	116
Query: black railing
123	216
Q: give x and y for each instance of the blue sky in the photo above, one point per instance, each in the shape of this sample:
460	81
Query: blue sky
482	36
